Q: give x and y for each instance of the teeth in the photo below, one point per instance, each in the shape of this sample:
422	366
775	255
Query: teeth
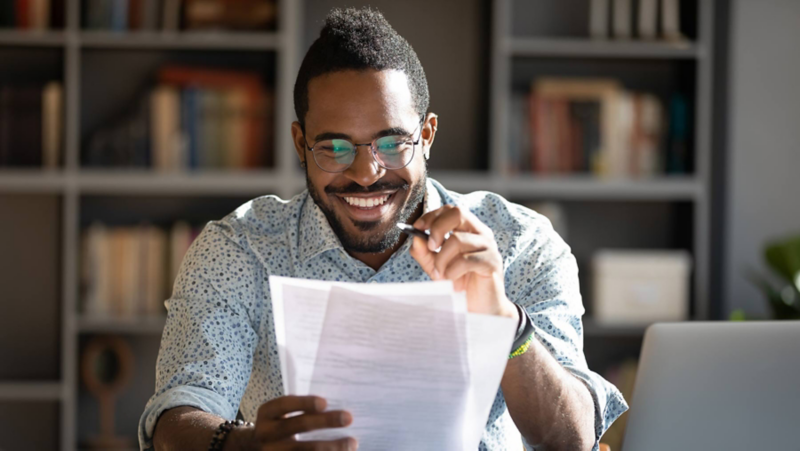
366	202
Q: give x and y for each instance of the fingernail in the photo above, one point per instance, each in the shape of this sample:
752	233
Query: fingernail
354	442
432	244
436	275
345	418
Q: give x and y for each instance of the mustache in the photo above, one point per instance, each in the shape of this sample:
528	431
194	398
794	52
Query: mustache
355	188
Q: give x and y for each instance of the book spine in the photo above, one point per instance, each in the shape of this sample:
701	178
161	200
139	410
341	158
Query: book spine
52	124
598	18
647	23
22	13
670	20
622	19
119	15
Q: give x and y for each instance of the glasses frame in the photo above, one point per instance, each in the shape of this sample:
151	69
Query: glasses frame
373	148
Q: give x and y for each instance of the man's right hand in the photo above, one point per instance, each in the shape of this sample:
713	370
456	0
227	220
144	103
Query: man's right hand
281	419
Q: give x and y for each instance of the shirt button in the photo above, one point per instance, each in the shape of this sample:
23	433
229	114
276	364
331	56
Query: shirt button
371	281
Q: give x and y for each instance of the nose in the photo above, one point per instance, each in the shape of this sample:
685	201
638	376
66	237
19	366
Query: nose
365	170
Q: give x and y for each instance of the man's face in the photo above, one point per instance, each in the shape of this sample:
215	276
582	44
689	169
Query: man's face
361	106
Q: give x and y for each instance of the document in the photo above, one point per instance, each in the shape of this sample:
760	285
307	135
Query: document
415	369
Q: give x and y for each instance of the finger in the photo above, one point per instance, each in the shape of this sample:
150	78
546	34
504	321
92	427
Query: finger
423	256
288	427
458	243
454	219
342	444
480	263
278	407
424	220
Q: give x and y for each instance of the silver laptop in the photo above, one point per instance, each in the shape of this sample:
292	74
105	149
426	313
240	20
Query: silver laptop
717	386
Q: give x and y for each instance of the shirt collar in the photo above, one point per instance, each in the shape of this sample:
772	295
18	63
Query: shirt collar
316	235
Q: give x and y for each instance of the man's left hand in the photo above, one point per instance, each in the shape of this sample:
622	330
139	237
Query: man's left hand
469	257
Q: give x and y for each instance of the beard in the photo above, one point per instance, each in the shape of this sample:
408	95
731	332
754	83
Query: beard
372	239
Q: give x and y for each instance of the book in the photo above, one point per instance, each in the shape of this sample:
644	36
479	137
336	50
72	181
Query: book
52	124
670	20
599	12
119	15
98	14
165	128
135	11
622	19
234	128
647	23
170	18
179	241
22	13
150	15
230	14
39	14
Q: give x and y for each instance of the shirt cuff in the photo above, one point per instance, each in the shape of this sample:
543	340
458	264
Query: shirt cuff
608	403
185	395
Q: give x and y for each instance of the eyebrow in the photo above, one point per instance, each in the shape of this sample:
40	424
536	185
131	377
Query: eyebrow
387	132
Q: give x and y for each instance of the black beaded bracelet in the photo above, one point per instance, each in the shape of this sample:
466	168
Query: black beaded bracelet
218	439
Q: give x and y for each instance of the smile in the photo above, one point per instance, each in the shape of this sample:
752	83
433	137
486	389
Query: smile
367	202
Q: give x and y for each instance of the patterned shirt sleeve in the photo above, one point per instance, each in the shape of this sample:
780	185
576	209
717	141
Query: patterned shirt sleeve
543	278
207	346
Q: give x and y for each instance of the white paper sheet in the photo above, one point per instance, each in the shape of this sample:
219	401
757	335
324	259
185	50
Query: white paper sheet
413	367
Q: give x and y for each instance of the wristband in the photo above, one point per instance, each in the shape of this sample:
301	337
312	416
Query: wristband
524	338
221	433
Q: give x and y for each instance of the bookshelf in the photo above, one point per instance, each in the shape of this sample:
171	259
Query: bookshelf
515	52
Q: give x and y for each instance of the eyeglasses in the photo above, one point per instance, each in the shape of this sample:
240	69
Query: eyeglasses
390	152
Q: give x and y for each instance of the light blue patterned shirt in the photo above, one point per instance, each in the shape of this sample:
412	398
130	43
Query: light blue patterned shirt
218	349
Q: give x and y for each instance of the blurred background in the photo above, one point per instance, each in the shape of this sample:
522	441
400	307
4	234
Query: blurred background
659	136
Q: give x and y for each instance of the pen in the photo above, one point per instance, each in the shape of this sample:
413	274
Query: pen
410	230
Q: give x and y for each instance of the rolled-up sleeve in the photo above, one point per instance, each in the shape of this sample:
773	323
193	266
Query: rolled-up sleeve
207	346
543	277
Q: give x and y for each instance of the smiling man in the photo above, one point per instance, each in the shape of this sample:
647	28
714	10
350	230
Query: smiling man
364	135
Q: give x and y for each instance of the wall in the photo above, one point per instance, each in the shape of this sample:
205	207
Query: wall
764	152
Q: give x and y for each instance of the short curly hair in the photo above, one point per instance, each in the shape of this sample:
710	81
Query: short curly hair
359	39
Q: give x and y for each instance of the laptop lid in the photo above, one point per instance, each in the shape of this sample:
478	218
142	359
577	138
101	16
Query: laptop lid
717	386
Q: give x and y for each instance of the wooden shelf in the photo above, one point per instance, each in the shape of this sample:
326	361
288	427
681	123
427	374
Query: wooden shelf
134	326
45	38
31	391
593	188
180	40
562	47
131	182
31	181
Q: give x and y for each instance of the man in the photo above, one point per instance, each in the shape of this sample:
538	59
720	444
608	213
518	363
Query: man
363	135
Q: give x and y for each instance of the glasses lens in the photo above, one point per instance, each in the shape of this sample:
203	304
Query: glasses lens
394	152
334	155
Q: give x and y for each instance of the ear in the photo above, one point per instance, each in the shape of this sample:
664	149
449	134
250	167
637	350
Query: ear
299	141
429	128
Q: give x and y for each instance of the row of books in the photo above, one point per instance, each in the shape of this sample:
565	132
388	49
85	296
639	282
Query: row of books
174	15
193	119
595	126
128	271
31	124
643	19
32	14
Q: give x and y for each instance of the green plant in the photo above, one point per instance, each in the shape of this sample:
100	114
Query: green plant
783	258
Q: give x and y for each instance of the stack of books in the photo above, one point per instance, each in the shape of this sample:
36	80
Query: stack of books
174	15
595	126
193	119
32	14
127	271
642	19
31	124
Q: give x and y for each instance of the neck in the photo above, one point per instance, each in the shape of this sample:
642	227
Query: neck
376	260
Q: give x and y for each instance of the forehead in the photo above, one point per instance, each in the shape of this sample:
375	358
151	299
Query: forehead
362	101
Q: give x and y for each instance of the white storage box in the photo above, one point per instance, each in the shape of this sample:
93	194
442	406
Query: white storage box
640	287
